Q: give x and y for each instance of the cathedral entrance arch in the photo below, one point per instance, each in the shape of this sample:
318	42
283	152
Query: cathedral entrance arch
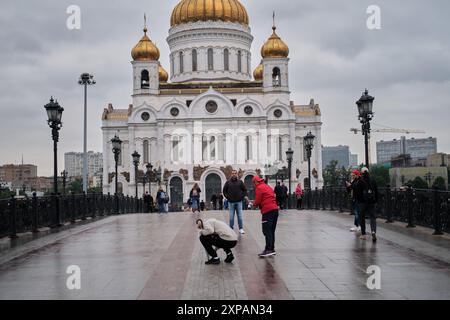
250	187
176	191
213	185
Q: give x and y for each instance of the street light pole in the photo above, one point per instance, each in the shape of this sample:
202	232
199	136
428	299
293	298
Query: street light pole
309	145
64	177
85	79
365	111
116	148
54	113
136	156
148	174
289	157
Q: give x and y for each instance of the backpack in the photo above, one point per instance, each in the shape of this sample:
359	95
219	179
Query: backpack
368	192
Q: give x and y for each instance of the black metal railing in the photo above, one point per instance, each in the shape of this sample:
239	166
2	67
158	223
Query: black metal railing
18	215
427	208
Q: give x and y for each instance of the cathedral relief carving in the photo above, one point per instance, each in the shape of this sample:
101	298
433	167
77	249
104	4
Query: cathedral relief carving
198	172
315	173
184	173
298	173
227	171
112	175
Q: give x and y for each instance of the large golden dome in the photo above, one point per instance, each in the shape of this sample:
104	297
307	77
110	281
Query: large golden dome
163	75
145	50
204	10
274	47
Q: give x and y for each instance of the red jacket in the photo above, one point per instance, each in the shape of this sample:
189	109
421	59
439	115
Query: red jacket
265	198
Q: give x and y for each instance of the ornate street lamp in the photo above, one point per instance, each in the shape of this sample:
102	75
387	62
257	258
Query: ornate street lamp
365	112
309	145
54	113
289	158
147	176
136	157
64	178
85	80
116	149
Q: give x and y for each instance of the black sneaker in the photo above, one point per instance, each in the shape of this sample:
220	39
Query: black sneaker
229	258
213	261
267	253
374	237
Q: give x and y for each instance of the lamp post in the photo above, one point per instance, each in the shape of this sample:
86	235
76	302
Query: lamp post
116	148
54	113
64	178
136	157
147	176
365	107
289	157
309	145
85	80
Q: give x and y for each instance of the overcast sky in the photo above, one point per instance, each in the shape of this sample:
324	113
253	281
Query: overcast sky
405	65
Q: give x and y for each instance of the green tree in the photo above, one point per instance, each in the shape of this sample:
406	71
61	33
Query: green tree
331	174
418	183
5	193
76	186
439	183
380	174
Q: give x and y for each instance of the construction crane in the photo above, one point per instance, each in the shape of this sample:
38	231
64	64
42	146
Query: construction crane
386	130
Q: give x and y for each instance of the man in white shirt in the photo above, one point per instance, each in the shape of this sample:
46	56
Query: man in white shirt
217	233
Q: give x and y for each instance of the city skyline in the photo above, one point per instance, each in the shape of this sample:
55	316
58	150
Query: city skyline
404	65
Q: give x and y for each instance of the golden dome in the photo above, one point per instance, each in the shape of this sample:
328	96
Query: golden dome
163	75
274	47
204	10
145	50
259	72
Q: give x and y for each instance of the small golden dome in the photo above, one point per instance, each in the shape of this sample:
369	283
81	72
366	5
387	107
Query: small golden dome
145	50
274	47
163	75
204	10
259	72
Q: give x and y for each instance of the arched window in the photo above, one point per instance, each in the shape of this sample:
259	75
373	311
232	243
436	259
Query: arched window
172	64
194	60
204	148
248	62
146	153
239	57
280	148
181	62
210	59
226	59
248	148
175	151
276	77
144	79
212	147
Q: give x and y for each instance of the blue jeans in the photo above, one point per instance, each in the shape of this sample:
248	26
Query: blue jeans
236	206
161	207
357	211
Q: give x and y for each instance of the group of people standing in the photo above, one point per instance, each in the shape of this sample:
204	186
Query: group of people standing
364	194
162	201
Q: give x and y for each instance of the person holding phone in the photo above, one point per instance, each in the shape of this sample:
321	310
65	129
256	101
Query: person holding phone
218	234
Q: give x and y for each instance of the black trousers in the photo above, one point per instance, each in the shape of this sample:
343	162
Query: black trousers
269	224
368	210
299	203
214	240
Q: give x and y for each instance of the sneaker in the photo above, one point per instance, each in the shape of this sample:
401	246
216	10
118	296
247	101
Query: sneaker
215	260
241	231
267	253
229	258
353	229
374	237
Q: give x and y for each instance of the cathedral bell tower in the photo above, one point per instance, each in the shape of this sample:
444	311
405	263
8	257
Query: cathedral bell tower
147	70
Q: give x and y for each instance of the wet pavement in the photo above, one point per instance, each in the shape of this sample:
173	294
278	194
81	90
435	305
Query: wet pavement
151	256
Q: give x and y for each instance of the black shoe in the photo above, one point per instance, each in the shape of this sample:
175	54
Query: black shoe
374	237
213	261
229	258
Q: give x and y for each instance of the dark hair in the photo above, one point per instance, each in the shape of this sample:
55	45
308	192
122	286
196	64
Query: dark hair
198	221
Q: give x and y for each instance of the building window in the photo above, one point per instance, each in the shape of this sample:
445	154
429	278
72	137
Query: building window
146	149
174	112
175	151
204	148
145	116
144	79
276	77
248	110
280	148
172	64
181	62
210	59
194	60
226	59
212	147
239	58
211	107
248	63
248	148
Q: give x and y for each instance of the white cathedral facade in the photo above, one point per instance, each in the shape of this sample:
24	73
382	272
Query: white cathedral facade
214	114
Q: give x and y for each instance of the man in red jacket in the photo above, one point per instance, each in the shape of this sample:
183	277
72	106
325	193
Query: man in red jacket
265	200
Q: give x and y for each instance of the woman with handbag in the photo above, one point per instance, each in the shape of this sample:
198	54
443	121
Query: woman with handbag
298	196
194	196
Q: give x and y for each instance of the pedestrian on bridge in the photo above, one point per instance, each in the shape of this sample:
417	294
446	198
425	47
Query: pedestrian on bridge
218	234
235	192
265	200
367	198
351	186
